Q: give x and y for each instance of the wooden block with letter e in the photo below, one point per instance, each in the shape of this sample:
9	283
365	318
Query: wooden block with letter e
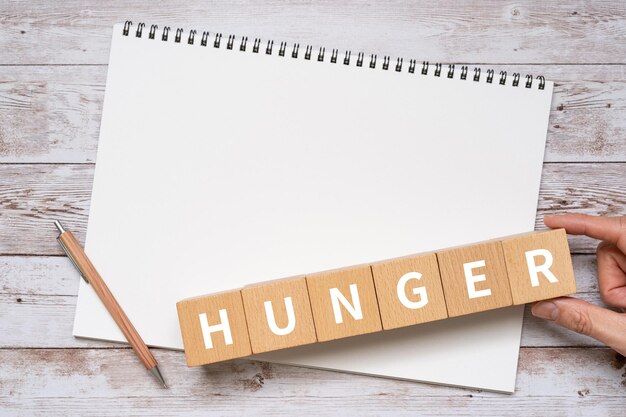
409	291
343	303
278	314
214	328
539	266
474	278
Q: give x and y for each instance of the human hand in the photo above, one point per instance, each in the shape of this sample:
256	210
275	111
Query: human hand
609	327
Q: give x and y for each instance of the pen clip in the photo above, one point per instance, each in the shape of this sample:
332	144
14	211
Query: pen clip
67	252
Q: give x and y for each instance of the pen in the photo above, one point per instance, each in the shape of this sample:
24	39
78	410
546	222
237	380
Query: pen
86	269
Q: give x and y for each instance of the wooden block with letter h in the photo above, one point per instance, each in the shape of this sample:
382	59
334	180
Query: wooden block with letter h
213	328
278	314
539	266
343	303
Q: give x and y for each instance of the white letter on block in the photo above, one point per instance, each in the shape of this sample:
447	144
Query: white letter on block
222	327
472	279
400	289
271	320
336	297
534	269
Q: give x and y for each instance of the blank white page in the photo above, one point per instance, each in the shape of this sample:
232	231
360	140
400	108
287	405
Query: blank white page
220	168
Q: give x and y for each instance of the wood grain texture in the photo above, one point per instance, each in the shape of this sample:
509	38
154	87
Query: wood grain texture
91	275
41	32
425	304
405	291
39	293
474	278
32	195
52	113
554	381
46	321
333	320
555	281
262	338
224	335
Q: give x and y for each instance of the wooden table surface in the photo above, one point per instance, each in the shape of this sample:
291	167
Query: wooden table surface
53	62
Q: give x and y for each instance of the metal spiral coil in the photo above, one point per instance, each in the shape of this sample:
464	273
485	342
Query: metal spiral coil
321	55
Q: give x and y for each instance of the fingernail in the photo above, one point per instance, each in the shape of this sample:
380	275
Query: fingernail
545	310
548	217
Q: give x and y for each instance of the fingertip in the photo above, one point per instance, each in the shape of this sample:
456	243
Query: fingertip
552	220
546	310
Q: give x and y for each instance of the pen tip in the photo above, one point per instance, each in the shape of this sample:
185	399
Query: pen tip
157	374
58	226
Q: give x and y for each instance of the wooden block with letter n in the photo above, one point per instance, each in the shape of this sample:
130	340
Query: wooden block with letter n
539	266
474	278
409	291
343	303
214	328
278	314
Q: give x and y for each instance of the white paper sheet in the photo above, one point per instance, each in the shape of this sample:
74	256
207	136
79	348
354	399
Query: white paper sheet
219	168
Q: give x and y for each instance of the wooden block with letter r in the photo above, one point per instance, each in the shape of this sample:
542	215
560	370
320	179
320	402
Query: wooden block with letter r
213	328
278	314
474	278
539	266
343	303
409	291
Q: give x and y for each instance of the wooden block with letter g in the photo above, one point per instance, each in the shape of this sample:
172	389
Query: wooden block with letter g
539	266
214	328
343	303
409	291
278	314
474	278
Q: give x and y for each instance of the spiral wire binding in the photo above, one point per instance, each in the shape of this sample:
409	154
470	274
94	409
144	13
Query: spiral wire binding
347	56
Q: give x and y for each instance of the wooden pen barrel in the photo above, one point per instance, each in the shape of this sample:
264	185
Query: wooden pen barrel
109	301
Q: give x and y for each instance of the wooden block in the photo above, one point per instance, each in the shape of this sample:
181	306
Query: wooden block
539	266
343	303
278	314
409	291
474	278
214	328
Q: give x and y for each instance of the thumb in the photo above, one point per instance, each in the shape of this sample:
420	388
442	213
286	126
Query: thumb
582	317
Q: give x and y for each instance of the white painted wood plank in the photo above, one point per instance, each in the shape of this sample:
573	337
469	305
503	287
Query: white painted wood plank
39	295
39	275
531	31
112	382
37	321
52	113
55	275
32	195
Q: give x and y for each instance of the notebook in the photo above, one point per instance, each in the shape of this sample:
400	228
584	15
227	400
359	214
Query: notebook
226	160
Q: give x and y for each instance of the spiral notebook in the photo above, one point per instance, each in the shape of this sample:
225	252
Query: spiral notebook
226	160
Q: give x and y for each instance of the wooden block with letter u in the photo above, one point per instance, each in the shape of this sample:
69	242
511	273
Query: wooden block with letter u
539	266
278	314
214	328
